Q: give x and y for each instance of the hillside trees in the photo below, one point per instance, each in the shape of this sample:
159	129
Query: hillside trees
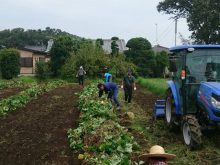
203	17
18	37
141	54
10	63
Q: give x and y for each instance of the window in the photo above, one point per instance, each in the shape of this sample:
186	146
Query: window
26	62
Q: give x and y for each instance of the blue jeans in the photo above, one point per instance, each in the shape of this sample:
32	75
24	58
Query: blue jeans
114	94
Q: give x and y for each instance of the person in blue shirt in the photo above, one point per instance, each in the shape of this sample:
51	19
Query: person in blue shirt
112	90
108	77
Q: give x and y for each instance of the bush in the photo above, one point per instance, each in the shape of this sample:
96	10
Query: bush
10	63
90	57
42	70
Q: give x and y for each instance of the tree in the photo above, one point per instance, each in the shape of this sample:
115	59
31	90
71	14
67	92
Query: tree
10	63
99	42
114	46
139	43
141	54
203	17
42	70
162	61
89	56
59	52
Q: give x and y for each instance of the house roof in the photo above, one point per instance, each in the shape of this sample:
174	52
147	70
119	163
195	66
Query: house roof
36	48
159	48
39	49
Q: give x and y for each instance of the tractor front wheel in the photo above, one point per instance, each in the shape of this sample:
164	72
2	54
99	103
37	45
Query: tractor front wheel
191	132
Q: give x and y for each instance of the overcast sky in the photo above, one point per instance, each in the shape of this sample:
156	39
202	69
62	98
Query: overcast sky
94	18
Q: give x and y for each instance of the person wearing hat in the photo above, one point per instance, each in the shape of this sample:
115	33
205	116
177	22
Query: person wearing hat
80	74
157	156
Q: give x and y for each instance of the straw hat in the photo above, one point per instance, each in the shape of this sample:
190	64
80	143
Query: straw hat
157	151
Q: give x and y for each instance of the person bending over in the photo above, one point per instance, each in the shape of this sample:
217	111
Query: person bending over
112	90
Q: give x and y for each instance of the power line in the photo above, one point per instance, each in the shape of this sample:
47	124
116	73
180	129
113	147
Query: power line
164	33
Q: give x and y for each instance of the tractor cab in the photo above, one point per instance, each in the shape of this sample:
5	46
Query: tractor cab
193	97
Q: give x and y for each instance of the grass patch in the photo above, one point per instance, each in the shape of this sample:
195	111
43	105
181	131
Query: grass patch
27	79
155	85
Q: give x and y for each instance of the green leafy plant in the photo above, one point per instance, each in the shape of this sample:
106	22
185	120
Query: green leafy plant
99	135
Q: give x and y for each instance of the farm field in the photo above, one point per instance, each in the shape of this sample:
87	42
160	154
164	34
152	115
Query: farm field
37	132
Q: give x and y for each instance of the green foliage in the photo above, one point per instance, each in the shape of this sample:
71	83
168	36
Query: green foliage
119	66
90	57
162	61
202	17
99	136
140	53
157	86
93	59
42	70
139	43
10	63
99	42
11	83
59	52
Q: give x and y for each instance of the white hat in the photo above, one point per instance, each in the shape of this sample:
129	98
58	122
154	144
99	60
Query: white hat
80	67
157	151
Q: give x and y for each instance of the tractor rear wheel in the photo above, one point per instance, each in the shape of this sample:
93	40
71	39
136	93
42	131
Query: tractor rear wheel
170	115
191	132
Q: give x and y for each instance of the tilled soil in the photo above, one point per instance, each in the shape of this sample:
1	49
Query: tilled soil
7	92
37	133
145	99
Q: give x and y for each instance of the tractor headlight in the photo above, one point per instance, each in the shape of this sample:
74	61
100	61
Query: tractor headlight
215	103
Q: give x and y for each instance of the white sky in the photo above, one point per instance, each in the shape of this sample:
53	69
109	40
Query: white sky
94	18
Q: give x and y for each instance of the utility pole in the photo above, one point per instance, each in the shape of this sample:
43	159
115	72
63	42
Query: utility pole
156	34
175	30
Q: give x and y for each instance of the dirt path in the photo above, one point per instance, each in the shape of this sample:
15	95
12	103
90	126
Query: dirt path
37	134
4	93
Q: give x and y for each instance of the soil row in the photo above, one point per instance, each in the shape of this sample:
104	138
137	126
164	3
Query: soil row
37	133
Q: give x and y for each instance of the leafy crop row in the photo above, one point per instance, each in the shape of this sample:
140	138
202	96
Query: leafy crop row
99	138
11	83
12	103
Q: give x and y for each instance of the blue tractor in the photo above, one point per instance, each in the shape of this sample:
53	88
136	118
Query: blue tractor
193	97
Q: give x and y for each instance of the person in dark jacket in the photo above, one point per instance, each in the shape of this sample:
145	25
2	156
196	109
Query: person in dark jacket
128	85
111	89
80	74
